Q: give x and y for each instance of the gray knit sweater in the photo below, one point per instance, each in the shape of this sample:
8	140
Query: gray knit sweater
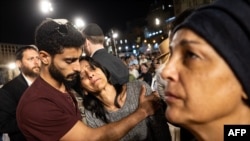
153	128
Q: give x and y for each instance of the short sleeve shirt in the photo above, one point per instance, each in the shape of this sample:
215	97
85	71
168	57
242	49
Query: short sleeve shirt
46	114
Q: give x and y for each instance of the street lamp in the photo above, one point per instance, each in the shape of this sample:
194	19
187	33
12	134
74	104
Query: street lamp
157	21
46	6
114	36
79	23
12	66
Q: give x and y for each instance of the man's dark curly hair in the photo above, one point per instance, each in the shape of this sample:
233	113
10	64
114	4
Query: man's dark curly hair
53	37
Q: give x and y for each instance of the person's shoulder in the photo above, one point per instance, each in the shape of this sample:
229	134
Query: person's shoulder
131	77
10	82
103	54
17	81
3	92
136	83
100	51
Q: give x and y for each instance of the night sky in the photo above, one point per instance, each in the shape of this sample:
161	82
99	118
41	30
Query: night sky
19	18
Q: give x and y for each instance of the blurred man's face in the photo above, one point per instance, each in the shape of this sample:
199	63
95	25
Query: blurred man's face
30	64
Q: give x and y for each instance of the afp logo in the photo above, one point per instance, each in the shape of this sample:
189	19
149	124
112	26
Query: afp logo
236	132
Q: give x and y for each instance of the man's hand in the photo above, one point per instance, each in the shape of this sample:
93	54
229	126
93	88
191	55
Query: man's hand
148	104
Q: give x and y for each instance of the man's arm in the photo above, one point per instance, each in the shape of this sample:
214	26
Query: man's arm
115	130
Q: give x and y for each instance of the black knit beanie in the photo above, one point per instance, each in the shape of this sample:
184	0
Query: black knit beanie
225	24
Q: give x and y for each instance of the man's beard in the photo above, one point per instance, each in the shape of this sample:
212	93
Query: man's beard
68	81
30	72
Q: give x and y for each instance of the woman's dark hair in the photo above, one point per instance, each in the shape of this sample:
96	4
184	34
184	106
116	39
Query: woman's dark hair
90	102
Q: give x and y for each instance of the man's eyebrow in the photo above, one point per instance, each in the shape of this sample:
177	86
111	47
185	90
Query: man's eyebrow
71	58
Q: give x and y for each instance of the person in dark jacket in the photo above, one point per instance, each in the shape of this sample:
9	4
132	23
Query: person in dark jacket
1	134
28	62
94	48
145	75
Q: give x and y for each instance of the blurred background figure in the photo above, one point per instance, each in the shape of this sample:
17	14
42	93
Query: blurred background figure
29	64
143	59
162	59
133	60
178	133
145	75
133	72
159	84
94	48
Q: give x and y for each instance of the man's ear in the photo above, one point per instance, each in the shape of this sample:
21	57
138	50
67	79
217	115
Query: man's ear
44	57
88	42
18	63
244	96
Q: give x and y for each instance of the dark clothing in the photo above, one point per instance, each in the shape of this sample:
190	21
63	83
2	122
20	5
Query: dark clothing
46	114
8	104
118	70
186	135
147	77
